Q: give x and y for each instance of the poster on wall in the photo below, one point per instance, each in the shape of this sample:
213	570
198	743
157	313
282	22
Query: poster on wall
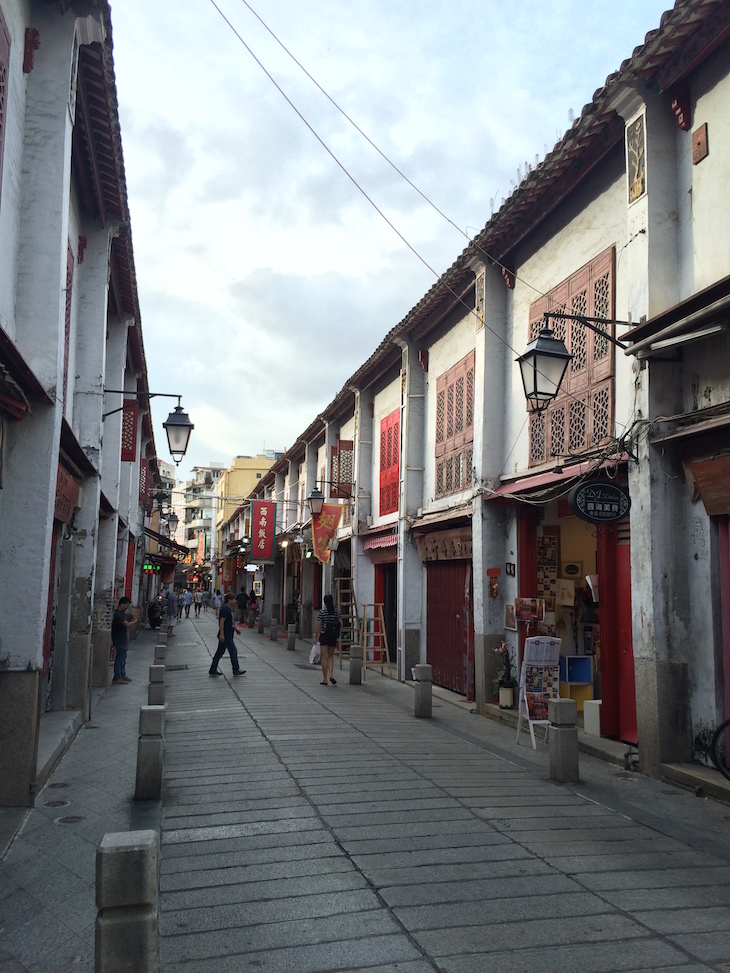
529	609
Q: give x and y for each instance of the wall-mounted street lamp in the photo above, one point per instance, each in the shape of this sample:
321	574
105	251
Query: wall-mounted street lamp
545	360
316	502
177	425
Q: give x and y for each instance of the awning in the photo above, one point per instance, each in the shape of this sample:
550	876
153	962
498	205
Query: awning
381	540
540	481
165	541
702	315
462	512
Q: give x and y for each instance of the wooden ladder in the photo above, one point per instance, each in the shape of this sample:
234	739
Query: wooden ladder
374	639
347	606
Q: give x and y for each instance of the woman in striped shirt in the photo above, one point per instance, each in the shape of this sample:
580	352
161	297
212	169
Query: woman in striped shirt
328	634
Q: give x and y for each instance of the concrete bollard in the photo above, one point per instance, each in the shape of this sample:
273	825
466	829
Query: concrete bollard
150	749
160	652
156	692
261	623
251	619
563	740
274	631
424	691
291	638
355	665
126	900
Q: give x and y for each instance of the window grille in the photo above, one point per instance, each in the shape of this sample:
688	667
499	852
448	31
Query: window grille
455	427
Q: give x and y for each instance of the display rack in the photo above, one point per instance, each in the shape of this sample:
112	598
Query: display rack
539	683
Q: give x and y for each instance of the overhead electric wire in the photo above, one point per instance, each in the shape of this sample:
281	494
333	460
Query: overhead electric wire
361	190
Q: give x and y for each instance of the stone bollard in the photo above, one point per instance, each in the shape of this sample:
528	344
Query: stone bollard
251	619
274	631
563	740
150	748
156	692
291	638
424	691
355	665
261	623
126	900
160	652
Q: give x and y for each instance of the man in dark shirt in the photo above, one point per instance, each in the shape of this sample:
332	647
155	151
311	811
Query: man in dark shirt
242	604
121	622
225	638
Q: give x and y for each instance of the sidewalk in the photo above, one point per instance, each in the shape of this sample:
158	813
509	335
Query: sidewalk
313	828
47	878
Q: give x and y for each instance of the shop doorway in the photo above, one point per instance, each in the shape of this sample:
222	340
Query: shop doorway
386	593
449	625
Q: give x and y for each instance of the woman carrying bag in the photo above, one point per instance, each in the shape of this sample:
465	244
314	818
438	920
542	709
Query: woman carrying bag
328	634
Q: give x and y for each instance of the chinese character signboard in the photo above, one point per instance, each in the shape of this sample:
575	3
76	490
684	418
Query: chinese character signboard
599	503
324	528
263	531
201	547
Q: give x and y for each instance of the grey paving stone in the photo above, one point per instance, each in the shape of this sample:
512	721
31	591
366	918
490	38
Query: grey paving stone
689	920
452	915
304	839
438	872
712	947
239	830
467	889
201	896
270	863
688	898
254	913
617	862
333	956
593	957
656	878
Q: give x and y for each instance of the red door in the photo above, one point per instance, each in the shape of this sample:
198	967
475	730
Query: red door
618	710
449	626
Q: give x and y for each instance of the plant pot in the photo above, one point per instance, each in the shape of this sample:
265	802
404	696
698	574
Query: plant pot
506	697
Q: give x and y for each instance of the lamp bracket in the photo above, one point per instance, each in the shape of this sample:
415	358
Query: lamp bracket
590	323
137	396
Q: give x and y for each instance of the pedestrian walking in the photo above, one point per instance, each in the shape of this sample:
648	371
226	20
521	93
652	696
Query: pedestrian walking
329	622
198	602
121	622
188	602
225	639
242	604
217	602
172	610
206	600
180	603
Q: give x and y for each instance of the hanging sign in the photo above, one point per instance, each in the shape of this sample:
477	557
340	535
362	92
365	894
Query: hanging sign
263	531
599	503
324	528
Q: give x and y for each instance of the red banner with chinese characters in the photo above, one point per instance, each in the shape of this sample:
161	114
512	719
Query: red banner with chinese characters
201	547
263	531
324	528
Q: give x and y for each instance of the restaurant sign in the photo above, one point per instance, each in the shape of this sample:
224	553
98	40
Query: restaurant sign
263	531
599	503
445	545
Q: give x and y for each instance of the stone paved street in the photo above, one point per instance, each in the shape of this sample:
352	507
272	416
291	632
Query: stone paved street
312	828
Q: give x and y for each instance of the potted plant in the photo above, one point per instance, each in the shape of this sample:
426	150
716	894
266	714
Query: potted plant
505	681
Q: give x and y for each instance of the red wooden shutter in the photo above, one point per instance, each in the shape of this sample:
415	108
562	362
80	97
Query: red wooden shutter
129	431
389	462
129	575
4	66
455	426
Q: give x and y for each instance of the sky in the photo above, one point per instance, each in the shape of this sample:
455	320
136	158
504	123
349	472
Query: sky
265	276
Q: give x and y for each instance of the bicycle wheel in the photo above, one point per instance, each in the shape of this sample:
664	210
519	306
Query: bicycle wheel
720	748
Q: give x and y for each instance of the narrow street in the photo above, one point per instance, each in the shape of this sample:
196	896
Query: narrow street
316	828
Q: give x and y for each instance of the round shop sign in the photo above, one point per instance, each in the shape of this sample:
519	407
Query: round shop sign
599	503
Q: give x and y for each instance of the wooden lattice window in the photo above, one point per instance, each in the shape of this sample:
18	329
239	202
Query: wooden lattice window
582	415
455	427
389	462
341	461
129	431
4	84
144	467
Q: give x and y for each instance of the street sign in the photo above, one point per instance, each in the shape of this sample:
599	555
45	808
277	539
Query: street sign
599	503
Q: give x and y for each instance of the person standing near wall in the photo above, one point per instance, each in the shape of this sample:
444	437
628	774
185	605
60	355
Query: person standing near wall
121	622
171	611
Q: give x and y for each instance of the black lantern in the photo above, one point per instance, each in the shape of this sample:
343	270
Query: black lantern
172	522
178	428
316	501
543	366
